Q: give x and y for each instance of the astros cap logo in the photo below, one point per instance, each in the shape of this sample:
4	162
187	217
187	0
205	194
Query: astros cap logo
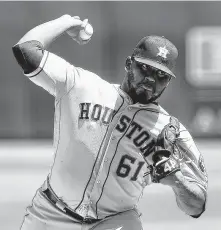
163	51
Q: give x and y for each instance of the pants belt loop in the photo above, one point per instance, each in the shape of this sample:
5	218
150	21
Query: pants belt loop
46	187
60	205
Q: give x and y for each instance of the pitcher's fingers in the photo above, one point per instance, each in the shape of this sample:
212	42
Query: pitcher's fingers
77	22
84	23
76	17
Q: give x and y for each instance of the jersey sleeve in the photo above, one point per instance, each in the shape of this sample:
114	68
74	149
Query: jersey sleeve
54	74
192	162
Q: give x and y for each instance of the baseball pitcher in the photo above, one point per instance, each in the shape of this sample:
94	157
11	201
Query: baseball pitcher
110	141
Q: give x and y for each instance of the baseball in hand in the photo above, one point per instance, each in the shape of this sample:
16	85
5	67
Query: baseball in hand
86	33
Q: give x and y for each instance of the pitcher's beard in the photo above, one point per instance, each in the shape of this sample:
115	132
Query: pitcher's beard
140	95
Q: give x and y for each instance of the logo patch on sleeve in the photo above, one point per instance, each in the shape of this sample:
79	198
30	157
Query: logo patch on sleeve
202	165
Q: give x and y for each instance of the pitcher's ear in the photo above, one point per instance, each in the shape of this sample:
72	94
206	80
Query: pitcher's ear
128	63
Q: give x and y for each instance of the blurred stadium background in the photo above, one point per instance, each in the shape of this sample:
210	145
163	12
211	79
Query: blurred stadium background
26	124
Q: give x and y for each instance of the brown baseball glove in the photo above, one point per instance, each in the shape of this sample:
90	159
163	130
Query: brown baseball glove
164	160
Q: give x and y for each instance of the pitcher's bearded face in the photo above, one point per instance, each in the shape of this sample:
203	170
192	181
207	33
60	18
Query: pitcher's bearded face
146	82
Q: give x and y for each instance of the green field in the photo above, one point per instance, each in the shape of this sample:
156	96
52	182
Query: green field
24	166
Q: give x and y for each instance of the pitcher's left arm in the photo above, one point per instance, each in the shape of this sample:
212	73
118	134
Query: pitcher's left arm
180	165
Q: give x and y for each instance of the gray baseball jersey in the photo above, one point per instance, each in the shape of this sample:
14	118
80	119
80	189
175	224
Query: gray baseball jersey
103	144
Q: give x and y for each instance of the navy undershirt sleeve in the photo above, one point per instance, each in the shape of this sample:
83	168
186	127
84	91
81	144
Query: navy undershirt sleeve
28	55
197	216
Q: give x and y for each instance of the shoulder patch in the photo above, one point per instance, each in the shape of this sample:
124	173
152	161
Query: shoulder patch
202	165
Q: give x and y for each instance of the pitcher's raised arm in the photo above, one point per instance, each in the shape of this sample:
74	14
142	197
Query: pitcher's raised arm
44	68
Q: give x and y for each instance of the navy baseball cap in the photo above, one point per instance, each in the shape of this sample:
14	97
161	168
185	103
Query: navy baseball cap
158	52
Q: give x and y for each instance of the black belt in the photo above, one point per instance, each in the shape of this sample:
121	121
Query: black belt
50	195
